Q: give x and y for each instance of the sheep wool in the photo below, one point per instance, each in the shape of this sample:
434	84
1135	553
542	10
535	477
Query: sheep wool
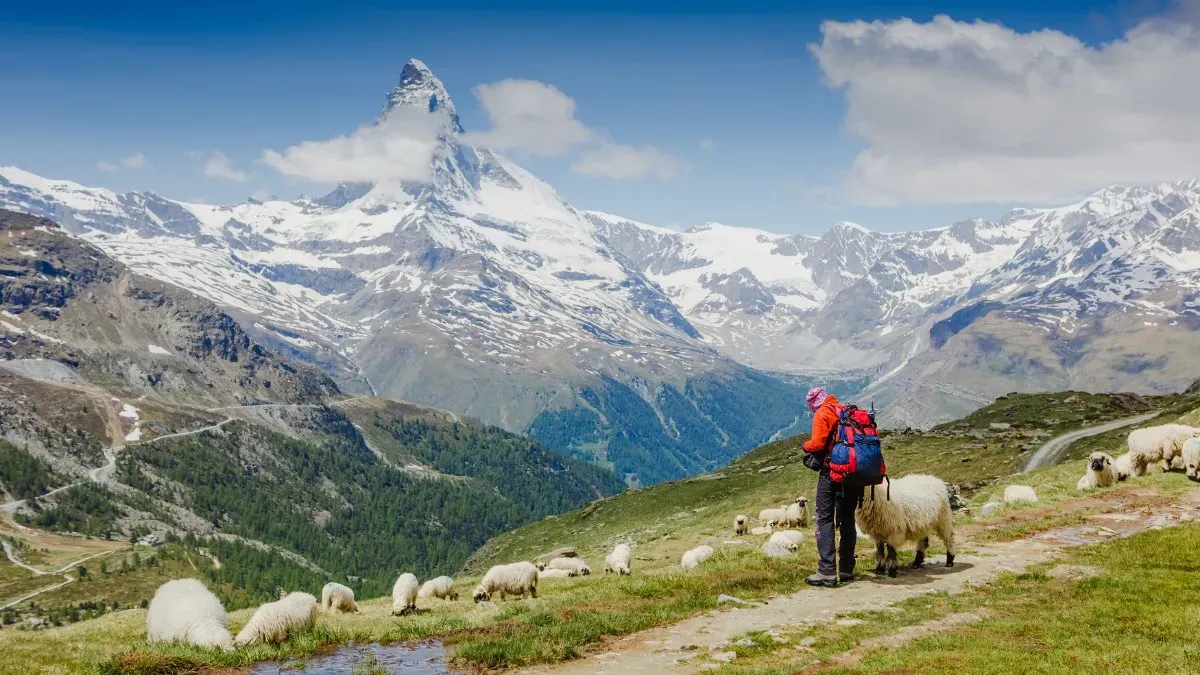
741	525
796	513
617	562
904	510
554	574
763	530
694	557
184	610
779	546
1191	458
577	566
1019	493
439	587
275	621
336	598
1160	443
519	578
1123	466
777	516
404	594
1099	472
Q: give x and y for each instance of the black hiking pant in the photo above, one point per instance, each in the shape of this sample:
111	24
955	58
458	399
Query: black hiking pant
836	502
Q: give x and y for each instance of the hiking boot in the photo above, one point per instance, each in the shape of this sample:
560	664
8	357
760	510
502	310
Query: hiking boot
821	580
846	577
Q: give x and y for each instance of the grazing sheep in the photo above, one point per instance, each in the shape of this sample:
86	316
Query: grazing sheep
519	578
440	587
617	562
780	545
777	516
695	556
1019	493
275	621
336	598
796	513
794	536
1160	443
903	510
576	566
765	529
404	594
1123	466
1099	472
554	574
1191	458
741	525
184	610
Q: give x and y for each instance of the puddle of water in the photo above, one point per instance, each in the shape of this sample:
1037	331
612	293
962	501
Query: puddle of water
427	658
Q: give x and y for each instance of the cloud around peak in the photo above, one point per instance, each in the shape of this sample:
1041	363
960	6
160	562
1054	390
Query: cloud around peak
956	112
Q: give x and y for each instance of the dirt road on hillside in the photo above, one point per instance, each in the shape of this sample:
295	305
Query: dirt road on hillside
1051	452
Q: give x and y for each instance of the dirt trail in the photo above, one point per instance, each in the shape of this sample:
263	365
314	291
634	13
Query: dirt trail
672	649
1052	450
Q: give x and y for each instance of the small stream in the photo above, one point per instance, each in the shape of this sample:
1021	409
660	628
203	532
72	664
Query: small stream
426	658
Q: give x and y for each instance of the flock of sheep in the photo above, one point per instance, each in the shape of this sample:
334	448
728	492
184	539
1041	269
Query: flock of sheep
905	510
1172	446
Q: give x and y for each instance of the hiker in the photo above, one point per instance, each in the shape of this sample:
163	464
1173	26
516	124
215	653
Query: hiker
835	502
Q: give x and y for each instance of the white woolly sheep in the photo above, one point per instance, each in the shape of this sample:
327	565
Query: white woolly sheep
794	536
1160	443
336	598
439	587
1019	493
554	574
275	621
184	610
764	529
903	510
1123	466
796	513
777	516
1099	472
519	578
618	561
404	594
1191	458
695	556
779	546
576	566
741	525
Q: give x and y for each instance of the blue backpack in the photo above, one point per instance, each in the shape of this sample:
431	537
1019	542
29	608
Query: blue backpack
856	458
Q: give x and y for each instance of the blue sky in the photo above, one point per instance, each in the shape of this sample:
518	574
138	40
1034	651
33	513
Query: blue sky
738	97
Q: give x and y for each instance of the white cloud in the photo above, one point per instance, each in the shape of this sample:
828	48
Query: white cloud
400	147
135	161
107	166
706	144
613	160
530	117
957	112
219	167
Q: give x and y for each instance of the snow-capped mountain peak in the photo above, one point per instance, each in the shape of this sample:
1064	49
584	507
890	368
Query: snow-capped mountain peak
418	87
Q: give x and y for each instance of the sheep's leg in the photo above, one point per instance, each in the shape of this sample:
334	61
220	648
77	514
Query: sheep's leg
533	592
946	534
919	558
892	562
879	558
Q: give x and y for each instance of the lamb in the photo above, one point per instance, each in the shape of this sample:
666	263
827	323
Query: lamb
1191	458
1019	493
796	513
577	566
1123	466
764	530
695	556
519	578
184	610
906	509
780	545
554	574
777	516
617	562
336	598
440	587
741	525
1099	472
1160	443
404	594
275	621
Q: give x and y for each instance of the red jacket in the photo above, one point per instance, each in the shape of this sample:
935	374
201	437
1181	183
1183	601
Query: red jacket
824	419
